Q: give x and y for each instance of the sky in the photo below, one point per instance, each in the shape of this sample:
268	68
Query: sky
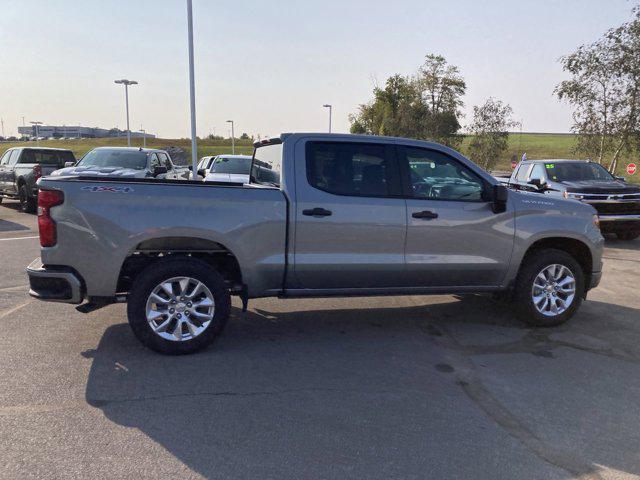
270	66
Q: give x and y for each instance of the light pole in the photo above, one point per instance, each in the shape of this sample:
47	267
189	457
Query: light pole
144	137
126	84
192	94
330	107
233	138
37	134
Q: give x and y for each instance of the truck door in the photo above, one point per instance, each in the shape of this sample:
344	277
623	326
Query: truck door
453	236
8	174
350	217
4	160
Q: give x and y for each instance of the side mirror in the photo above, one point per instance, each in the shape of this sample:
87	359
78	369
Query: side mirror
500	197
202	173
538	183
69	164
622	179
159	170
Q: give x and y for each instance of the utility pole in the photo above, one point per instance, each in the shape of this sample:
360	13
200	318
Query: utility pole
233	138
126	84
2	123
192	94
330	107
37	134
144	137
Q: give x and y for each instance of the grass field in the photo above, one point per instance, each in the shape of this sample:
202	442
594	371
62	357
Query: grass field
536	145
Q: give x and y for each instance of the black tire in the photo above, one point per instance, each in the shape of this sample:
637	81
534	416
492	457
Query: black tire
160	271
533	264
628	235
27	202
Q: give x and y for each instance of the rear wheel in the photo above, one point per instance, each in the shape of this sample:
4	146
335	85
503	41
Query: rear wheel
549	288
27	202
178	306
628	235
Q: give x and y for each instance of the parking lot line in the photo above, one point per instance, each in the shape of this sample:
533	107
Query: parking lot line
16	238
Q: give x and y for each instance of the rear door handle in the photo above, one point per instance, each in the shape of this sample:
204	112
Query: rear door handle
316	212
425	214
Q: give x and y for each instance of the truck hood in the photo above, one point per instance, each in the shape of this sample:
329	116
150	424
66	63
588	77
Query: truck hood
536	201
600	186
101	171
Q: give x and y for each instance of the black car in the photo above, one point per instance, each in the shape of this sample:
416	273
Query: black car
617	202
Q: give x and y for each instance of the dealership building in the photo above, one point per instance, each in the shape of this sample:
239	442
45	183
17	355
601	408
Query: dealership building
70	131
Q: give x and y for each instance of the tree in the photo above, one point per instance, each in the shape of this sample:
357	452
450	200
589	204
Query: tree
245	136
425	105
605	93
490	125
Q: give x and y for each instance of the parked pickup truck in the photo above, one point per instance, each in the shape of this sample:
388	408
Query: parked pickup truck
21	167
350	215
617	202
125	162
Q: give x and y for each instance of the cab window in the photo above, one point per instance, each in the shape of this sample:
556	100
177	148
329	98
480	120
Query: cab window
353	169
537	172
436	176
523	172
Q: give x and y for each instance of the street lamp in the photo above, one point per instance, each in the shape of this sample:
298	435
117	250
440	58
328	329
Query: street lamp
37	134
326	105
126	84
233	138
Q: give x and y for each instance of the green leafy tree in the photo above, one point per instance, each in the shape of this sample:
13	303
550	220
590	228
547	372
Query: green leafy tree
604	90
425	106
490	129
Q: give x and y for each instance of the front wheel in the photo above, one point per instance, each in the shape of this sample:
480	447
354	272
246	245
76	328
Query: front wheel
178	306
549	288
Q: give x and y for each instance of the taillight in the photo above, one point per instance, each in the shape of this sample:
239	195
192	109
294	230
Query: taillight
46	225
37	171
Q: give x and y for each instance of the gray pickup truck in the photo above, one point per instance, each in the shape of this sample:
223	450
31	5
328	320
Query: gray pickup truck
21	167
349	216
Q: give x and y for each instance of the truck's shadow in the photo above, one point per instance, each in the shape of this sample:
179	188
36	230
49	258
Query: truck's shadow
336	393
7	226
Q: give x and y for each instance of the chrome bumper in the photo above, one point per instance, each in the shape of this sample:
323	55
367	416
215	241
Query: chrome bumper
619	218
58	284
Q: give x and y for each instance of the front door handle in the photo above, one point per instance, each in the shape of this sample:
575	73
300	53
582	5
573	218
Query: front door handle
316	212
425	214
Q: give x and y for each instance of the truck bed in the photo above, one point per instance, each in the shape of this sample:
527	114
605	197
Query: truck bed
103	222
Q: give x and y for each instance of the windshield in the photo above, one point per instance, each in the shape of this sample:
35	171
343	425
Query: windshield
115	158
231	165
574	171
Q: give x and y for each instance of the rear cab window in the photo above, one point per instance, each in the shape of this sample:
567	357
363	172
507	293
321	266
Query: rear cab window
266	165
42	157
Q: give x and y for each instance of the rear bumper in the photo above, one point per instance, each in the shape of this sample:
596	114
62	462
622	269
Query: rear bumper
54	284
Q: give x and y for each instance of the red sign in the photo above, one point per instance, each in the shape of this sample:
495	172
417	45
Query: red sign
631	168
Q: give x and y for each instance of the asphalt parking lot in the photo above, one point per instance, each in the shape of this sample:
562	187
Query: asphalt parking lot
402	387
